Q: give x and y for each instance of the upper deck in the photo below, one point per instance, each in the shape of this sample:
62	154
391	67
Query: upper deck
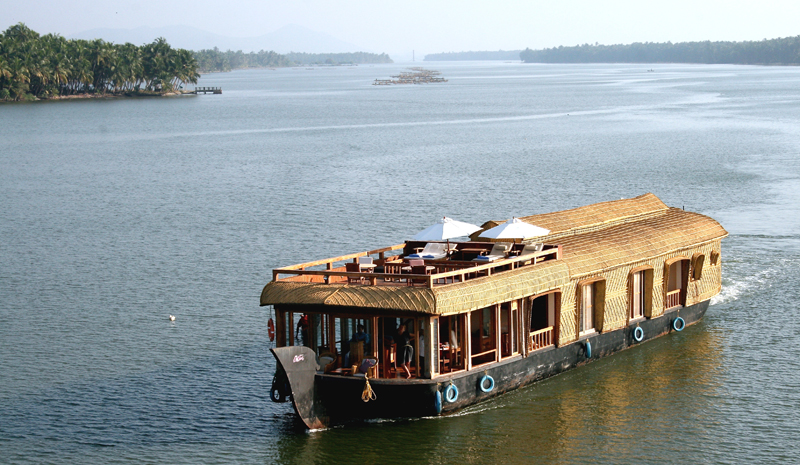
392	266
590	240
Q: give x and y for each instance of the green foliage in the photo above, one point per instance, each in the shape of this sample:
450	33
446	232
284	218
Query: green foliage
215	60
463	56
34	66
782	51
356	58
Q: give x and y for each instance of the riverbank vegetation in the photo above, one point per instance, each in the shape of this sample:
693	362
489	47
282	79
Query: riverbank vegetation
464	56
214	60
781	51
34	66
355	58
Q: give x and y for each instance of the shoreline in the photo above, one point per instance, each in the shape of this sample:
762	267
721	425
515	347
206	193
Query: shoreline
104	96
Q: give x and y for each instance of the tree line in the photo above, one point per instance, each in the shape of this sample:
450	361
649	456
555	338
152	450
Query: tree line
781	51
46	66
214	60
484	55
354	58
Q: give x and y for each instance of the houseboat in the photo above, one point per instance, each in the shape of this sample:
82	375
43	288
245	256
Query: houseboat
427	328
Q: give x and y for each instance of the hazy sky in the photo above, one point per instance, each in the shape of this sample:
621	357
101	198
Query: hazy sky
432	25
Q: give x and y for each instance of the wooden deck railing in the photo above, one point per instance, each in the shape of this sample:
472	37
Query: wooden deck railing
540	338
445	272
673	298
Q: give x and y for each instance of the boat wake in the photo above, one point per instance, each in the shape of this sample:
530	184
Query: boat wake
733	290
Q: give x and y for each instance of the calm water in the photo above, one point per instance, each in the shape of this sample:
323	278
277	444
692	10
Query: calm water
115	214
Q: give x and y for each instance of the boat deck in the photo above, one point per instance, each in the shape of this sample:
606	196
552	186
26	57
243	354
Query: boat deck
392	267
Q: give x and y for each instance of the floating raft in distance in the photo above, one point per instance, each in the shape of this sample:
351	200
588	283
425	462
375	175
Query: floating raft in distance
206	90
416	76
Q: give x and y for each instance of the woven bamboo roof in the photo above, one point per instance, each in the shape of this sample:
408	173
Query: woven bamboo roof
441	300
671	230
589	217
594	238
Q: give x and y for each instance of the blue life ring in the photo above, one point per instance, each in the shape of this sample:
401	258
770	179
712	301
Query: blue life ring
482	383
437	402
638	334
678	324
588	346
451	393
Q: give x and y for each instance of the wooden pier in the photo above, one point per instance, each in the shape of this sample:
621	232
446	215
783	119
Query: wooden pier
206	90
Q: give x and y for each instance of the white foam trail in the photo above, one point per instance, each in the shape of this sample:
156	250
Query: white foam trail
732	291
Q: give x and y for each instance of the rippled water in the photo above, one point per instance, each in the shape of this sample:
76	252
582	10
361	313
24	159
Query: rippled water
115	214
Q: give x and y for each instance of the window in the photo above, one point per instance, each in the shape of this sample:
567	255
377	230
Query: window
676	276
640	293
483	340
591	300
509	329
698	260
542	318
637	295
587	309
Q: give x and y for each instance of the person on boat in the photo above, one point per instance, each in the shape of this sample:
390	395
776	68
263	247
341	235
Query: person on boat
421	346
360	335
404	339
302	329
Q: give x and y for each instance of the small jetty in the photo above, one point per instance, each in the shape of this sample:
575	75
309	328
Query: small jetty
206	90
414	76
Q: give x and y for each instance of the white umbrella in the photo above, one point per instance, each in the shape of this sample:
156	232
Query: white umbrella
514	229
446	228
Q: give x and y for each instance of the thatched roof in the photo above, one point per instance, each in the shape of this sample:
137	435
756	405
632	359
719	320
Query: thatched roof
441	300
595	238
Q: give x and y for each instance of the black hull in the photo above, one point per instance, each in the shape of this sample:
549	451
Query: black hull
340	396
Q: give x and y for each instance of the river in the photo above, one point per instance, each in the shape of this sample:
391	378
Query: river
115	214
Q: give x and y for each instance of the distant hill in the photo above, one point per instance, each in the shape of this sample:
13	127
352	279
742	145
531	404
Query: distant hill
781	51
464	56
290	38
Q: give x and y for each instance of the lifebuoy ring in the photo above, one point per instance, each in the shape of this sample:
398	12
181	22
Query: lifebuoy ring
638	334
437	402
482	383
451	393
678	324
271	330
588	347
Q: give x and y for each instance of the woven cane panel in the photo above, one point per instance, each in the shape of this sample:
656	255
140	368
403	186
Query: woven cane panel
569	315
489	290
390	298
637	241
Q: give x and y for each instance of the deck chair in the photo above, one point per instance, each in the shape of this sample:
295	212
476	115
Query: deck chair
327	362
431	251
353	268
420	269
531	249
498	252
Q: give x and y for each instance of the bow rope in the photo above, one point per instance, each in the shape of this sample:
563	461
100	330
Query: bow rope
368	393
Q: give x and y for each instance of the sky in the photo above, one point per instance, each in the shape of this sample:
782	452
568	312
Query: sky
431	26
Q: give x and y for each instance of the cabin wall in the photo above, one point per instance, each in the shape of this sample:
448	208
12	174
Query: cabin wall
617	300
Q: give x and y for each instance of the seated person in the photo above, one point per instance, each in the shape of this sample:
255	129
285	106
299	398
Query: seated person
359	336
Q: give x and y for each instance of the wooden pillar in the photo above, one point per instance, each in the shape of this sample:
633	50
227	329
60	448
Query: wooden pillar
280	326
468	341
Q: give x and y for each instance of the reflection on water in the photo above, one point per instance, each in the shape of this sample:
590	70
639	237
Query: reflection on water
620	408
